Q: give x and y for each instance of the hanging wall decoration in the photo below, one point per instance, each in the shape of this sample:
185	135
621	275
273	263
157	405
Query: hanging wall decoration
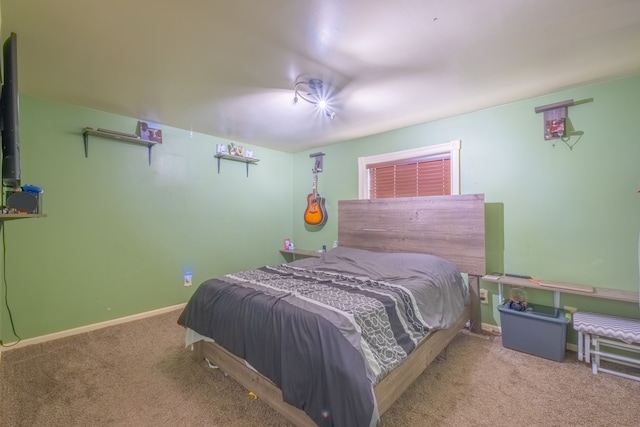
555	117
557	125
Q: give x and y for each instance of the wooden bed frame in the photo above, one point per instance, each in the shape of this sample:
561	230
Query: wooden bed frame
448	226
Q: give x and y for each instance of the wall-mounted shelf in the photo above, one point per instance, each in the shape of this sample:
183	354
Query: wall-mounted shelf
10	217
563	287
118	136
300	253
247	160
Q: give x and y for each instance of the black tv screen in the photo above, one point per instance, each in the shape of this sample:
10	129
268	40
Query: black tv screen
10	115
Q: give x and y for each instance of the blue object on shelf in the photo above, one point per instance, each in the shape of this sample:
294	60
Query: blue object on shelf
32	189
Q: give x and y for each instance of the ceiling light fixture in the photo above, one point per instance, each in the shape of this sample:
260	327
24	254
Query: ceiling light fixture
315	95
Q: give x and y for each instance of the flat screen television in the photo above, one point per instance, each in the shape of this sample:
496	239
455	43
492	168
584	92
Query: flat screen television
10	114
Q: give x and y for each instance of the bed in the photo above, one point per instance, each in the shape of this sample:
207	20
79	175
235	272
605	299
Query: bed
291	334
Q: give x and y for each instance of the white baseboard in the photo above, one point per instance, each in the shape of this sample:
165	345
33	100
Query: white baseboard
89	328
492	329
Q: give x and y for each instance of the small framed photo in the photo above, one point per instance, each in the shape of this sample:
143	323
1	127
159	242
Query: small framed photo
554	123
554	128
287	244
147	133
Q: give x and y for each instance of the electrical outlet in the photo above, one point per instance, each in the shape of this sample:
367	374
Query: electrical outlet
570	309
187	280
484	296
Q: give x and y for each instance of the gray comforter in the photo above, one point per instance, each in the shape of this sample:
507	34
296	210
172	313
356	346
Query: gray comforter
326	330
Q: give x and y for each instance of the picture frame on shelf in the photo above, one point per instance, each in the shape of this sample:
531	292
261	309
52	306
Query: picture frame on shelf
148	133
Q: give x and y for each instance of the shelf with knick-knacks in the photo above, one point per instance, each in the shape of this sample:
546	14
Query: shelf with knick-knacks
22	203
236	153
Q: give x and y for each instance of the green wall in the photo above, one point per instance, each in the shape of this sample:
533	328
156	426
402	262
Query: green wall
561	214
119	232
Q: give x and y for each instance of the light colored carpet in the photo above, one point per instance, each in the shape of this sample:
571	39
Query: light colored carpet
139	374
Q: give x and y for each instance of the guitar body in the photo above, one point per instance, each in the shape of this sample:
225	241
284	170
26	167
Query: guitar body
315	213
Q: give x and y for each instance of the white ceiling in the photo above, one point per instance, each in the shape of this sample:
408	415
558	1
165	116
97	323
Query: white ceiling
227	68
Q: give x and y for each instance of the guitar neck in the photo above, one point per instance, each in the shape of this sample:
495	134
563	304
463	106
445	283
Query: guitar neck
315	183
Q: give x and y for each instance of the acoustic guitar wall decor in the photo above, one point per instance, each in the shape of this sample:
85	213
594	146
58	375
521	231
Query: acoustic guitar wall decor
315	213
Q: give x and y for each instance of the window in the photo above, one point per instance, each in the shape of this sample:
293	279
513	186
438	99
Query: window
425	171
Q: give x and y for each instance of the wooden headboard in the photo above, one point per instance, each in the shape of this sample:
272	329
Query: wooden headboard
451	227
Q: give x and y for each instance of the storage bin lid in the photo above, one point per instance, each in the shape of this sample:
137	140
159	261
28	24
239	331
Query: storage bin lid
537	311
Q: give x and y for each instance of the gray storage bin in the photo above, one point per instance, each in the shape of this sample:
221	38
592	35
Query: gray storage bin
541	330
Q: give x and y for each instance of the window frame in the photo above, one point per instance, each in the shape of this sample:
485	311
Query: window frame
451	148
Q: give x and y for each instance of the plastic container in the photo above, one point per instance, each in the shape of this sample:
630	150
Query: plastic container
541	331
